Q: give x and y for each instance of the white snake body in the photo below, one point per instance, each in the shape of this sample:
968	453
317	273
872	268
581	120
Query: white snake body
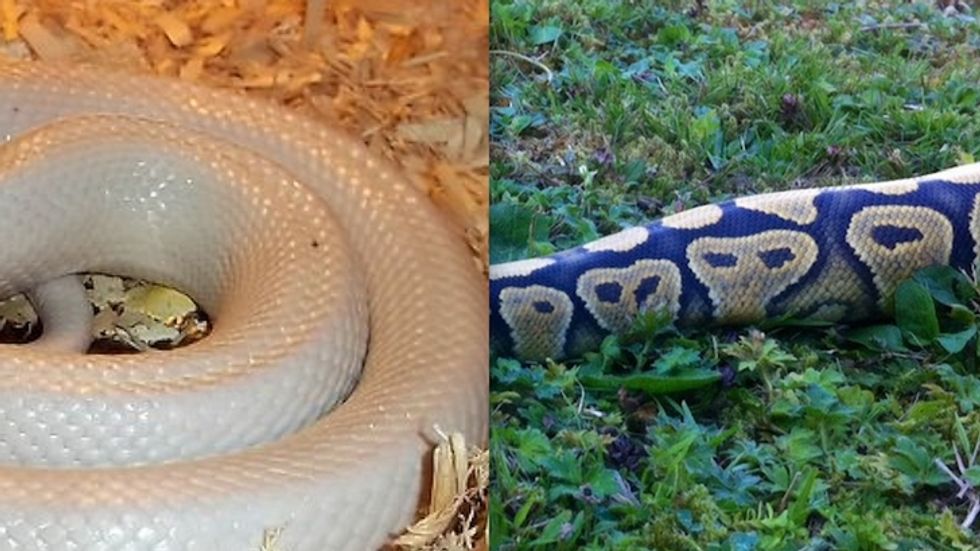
313	259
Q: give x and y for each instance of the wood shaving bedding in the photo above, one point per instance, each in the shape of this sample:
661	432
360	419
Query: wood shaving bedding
410	79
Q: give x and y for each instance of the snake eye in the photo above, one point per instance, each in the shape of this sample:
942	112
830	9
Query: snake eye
890	236
777	258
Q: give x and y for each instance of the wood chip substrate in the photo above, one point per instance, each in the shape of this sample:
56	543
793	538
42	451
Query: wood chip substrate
408	78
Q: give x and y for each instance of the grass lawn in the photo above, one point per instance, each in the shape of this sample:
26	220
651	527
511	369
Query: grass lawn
611	114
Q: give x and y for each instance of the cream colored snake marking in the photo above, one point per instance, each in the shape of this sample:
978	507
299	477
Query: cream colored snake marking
312	258
834	254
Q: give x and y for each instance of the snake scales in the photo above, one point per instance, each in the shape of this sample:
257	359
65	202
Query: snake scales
835	254
312	258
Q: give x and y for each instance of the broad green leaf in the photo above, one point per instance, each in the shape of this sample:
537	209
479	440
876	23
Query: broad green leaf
543	34
956	342
532	449
515	227
915	462
945	284
915	312
672	35
603	482
801	445
878	337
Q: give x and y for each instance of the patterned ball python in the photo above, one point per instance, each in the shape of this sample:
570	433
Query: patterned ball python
833	254
300	245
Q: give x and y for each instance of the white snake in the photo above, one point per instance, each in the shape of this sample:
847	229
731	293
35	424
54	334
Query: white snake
300	245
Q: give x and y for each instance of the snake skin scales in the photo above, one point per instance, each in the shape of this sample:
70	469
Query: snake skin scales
331	283
834	254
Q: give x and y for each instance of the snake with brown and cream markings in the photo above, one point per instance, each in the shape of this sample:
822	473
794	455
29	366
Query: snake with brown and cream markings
834	254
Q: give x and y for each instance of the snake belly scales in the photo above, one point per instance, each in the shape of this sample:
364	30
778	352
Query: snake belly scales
834	254
331	283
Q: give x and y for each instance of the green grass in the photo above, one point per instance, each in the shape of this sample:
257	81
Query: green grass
820	438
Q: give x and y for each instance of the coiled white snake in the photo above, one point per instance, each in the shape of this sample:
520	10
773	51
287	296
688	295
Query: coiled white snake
311	257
